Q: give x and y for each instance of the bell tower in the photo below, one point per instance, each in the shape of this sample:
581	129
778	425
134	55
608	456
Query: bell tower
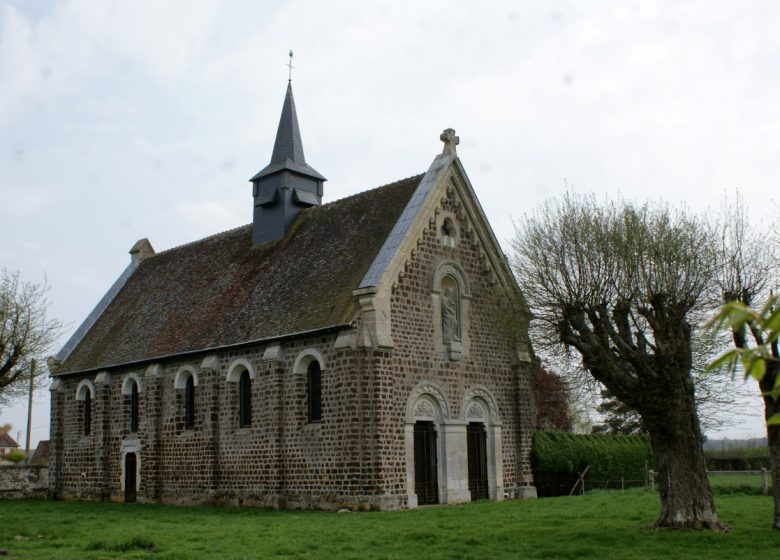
288	184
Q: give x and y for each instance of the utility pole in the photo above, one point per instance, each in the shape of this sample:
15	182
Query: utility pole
29	407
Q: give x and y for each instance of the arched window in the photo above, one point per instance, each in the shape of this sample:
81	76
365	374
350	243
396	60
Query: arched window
87	412
314	391
189	402
84	394
134	407
244	400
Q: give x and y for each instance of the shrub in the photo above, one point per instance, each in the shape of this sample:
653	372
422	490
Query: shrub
557	459
750	459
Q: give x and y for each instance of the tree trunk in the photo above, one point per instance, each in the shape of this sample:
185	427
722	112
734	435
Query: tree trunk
772	407
686	498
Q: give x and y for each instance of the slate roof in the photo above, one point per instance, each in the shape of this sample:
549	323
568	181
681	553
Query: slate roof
222	291
288	147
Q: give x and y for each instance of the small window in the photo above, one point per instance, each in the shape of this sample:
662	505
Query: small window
244	400
448	228
87	412
134	407
189	402
314	390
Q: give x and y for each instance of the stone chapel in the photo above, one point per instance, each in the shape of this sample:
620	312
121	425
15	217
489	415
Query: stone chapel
366	353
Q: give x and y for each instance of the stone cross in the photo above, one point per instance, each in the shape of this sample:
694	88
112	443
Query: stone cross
450	141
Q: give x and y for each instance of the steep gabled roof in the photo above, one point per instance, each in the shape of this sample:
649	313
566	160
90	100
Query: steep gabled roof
221	291
7	441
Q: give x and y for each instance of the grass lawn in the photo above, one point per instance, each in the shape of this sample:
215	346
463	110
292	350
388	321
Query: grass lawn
601	525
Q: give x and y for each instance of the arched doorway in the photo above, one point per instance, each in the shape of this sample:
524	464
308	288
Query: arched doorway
426	475
131	465
477	458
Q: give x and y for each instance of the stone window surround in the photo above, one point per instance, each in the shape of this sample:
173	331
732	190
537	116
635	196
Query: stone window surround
301	367
82	388
127	383
180	379
237	367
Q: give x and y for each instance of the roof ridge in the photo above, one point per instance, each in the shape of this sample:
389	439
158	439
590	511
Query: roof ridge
235	229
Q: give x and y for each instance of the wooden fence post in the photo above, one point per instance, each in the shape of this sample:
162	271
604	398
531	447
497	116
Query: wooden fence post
651	477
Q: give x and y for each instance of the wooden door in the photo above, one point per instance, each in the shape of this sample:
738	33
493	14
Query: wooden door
426	477
477	452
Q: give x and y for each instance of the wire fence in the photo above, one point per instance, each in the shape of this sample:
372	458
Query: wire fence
722	482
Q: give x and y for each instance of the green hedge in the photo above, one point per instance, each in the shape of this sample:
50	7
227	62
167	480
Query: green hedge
752	459
558	457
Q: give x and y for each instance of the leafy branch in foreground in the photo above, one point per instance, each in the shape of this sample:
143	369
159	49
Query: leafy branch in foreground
764	325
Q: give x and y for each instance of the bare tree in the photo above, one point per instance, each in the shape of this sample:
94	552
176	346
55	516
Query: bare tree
748	273
25	333
619	284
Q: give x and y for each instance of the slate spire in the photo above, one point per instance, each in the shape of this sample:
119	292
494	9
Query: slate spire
288	184
288	136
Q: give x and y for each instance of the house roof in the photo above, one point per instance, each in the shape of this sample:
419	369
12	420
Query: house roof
7	441
222	291
41	454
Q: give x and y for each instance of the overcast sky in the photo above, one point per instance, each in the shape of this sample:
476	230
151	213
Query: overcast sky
125	120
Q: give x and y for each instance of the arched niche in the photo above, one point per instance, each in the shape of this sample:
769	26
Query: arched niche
451	299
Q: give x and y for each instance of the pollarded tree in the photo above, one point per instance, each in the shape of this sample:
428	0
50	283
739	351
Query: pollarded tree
25	333
621	285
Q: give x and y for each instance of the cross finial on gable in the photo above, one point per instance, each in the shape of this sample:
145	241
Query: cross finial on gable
450	141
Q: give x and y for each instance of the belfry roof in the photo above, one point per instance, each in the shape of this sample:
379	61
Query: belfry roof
288	147
222	290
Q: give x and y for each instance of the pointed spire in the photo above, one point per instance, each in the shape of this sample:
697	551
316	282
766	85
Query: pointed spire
288	143
288	148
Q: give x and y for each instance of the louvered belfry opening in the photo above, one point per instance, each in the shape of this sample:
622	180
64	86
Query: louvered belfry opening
426	478
477	457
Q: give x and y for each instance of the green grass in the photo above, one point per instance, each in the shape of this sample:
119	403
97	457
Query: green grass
739	483
600	525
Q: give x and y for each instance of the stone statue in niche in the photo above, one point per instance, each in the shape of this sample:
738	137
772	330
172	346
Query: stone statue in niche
450	318
449	315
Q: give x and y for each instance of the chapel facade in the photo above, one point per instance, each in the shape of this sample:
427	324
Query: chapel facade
367	353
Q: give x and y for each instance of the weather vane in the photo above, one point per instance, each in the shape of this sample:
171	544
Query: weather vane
290	67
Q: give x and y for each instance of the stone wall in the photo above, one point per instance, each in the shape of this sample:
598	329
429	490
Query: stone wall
23	481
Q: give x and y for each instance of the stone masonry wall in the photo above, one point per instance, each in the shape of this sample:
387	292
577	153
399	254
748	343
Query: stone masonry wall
23	481
491	359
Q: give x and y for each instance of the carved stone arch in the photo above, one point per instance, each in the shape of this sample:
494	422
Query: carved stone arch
84	386
127	383
451	268
180	380
237	367
429	392
484	398
479	405
305	357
